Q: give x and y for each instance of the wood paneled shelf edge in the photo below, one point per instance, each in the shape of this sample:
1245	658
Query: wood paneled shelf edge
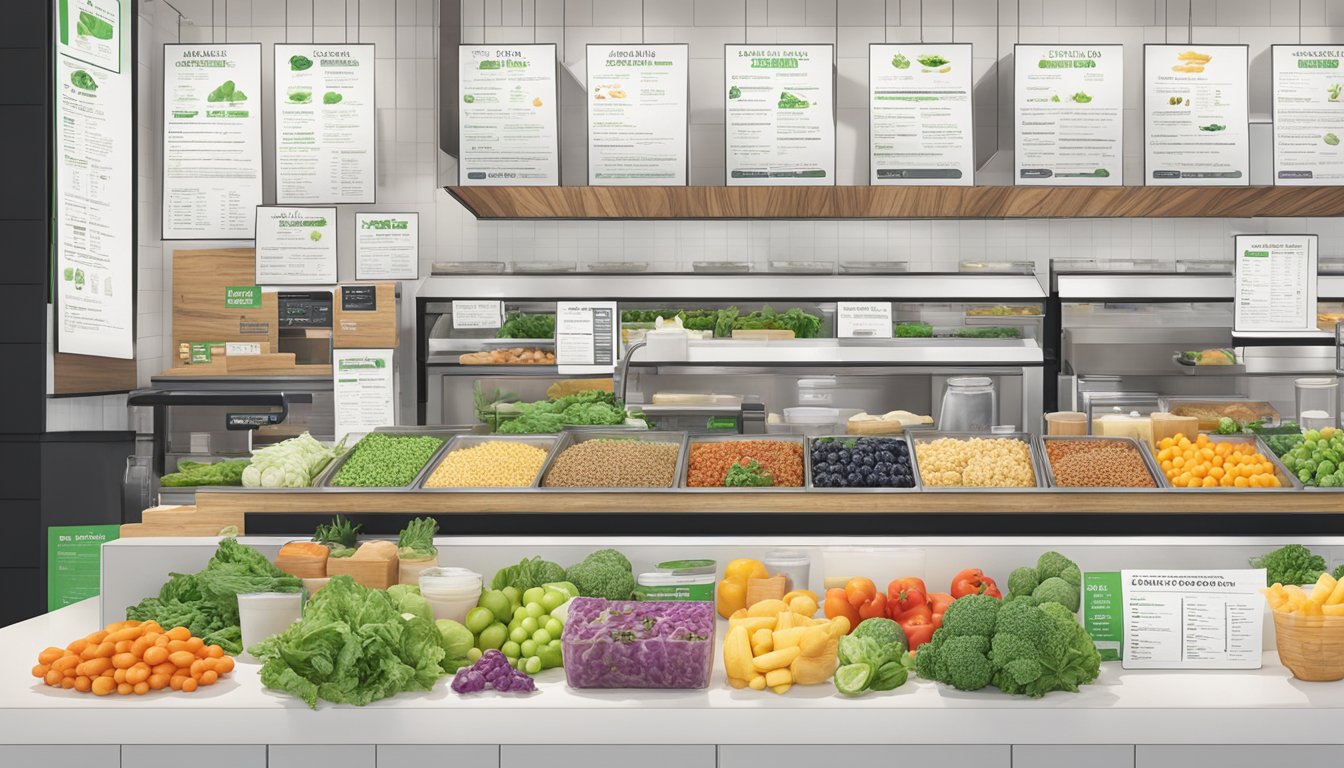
868	202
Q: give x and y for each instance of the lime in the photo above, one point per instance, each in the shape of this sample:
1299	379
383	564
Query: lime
853	679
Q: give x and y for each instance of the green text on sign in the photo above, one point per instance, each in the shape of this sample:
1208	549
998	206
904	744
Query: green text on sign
242	296
74	562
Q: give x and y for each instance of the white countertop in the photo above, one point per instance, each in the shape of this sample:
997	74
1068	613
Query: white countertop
1123	707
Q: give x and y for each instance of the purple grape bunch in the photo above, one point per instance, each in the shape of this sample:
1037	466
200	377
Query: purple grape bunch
492	668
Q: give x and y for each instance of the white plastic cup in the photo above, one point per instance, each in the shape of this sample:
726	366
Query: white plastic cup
266	614
451	592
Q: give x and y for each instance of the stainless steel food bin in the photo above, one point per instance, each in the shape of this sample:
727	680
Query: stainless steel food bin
795	439
571	438
910	447
460	442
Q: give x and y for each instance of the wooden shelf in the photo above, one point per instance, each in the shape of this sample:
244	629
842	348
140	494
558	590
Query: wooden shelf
865	202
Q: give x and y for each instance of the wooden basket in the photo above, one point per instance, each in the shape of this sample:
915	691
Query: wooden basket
303	566
1311	647
374	574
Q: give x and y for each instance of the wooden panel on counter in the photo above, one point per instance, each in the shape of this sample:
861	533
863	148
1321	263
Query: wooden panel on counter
365	328
88	375
199	280
862	202
181	521
769	502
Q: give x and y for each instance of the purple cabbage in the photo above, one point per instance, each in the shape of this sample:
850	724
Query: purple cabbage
638	644
492	668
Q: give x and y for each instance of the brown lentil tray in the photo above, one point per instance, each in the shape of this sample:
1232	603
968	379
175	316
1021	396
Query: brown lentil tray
1097	464
614	463
709	461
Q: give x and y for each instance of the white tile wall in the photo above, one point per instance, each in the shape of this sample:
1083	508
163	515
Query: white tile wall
992	26
406	35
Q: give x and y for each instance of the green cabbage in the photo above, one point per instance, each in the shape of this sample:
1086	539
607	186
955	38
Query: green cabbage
352	646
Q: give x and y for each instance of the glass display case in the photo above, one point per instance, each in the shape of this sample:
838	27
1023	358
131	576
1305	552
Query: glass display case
1131	342
763	353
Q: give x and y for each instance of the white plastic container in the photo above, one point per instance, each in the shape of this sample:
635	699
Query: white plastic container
661	585
794	564
266	614
451	592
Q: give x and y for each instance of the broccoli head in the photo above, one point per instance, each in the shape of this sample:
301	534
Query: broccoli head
963	662
1039	649
927	655
1022	581
605	573
971	615
1057	590
1052	564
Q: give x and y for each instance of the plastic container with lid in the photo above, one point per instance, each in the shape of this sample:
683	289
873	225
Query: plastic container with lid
691	580
451	592
1125	425
817	391
1317	401
267	614
794	564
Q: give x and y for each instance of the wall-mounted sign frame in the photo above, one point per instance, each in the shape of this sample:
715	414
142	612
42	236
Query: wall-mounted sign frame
507	115
1275	284
296	245
637	103
1069	115
779	115
326	142
211	148
921	114
1307	109
1195	115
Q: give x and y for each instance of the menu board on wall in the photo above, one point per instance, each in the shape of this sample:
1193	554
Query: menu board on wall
1308	104
94	194
296	246
325	144
920	124
780	114
1195	115
1069	108
387	246
637	107
211	141
1275	284
507	115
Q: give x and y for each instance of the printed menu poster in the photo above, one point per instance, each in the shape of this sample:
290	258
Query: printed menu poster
1195	115
296	246
90	31
637	102
1193	619
1276	283
507	115
780	114
211	141
387	246
920	122
1308	93
585	336
94	144
1069	111
325	146
364	391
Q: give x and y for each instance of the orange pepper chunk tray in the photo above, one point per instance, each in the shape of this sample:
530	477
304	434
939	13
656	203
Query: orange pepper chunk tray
1211	462
710	462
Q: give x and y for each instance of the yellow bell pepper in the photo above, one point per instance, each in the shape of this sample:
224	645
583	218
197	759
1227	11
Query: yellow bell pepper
731	593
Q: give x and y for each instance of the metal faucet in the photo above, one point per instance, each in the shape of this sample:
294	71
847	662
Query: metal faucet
623	371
